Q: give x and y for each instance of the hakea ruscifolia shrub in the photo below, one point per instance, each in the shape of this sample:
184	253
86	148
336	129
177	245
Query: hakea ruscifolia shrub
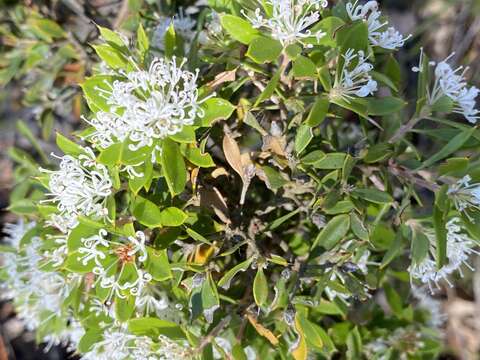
249	187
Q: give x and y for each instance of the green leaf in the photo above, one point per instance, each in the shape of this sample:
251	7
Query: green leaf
330	27
172	216
420	246
92	91
303	67
23	207
385	106
227	278
238	28
358	228
215	109
124	308
263	49
331	161
373	195
173	167
142	41
274	179
25	131
353	37
454	166
293	51
210	300
354	345
157	264
111	37
313	157
303	137
319	111
453	145
394	300
68	146
90	338
47	27
440	213
146	212
311	331
276	223
111	56
154	327
196	157
378	153
443	105
260	288
187	135
170	40
269	89
333	232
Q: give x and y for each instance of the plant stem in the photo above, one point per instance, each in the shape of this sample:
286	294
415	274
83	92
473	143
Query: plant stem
405	129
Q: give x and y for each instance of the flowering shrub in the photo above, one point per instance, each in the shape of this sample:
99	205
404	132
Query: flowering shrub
248	186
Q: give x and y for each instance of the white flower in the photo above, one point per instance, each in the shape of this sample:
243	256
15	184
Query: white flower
118	344
128	250
433	306
89	249
465	195
183	24
79	187
459	249
354	79
290	20
379	33
150	301
16	231
138	242
452	83
148	105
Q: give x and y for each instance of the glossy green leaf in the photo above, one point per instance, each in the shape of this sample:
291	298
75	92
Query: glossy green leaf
260	288
173	167
335	230
263	49
238	28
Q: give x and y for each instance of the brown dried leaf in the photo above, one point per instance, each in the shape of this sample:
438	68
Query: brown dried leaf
223	77
274	144
219	172
233	155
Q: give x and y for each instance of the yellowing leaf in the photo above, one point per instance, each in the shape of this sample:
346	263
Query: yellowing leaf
262	330
299	350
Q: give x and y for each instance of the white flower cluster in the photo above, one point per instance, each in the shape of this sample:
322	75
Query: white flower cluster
290	21
79	187
459	249
38	295
119	344
465	195
183	24
355	79
379	33
147	105
452	83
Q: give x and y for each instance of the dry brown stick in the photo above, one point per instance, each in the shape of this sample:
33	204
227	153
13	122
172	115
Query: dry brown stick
3	350
122	14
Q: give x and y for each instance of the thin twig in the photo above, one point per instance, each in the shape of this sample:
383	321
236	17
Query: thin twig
404	129
216	330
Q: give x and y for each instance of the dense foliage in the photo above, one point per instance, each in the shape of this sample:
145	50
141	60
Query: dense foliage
245	185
